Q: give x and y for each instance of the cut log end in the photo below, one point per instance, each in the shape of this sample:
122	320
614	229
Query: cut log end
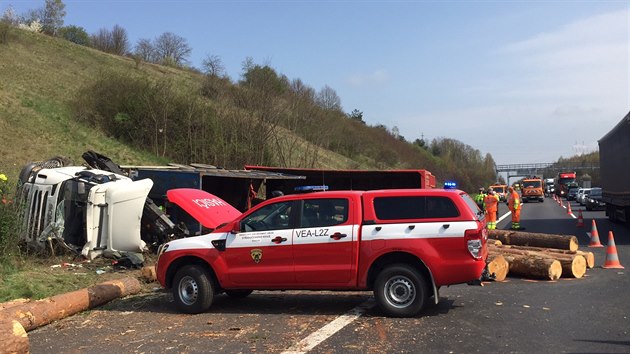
555	270
573	267
498	267
13	336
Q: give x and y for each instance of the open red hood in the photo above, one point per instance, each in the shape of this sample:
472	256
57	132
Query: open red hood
210	210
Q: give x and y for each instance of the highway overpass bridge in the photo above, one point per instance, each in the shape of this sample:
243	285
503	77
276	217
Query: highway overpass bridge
546	170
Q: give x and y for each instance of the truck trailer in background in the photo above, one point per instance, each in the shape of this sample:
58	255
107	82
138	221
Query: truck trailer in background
614	152
346	179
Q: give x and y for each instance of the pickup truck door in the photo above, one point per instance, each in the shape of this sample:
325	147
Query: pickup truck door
324	243
261	255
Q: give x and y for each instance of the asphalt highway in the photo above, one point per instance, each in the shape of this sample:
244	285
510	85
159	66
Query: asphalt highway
587	315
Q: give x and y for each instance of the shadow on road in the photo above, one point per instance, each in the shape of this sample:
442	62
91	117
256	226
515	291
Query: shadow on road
271	303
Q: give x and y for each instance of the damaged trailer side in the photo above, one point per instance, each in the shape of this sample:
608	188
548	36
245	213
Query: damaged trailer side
89	211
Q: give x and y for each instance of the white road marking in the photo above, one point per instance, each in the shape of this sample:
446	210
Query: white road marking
328	330
503	217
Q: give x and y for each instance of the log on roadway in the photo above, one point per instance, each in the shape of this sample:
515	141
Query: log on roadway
533	267
13	336
588	256
508	237
497	266
34	314
573	265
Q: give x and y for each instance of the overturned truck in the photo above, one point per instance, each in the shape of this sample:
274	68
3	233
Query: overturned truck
88	210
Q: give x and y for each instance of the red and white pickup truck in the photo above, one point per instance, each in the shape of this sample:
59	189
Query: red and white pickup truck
403	244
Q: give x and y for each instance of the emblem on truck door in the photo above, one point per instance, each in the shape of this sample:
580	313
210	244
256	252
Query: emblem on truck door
256	255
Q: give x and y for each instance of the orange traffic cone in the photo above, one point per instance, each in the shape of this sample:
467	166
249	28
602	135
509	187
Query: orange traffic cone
580	219
569	208
612	260
594	237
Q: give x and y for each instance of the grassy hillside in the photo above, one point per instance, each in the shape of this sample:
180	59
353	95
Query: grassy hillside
41	76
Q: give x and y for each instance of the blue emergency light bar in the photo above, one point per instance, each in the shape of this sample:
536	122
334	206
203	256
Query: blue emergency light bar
311	188
450	185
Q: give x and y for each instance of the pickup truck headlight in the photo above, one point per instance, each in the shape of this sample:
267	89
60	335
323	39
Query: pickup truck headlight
162	249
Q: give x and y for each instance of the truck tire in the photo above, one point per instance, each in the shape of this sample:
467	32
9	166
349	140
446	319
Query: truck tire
400	291
238	293
193	289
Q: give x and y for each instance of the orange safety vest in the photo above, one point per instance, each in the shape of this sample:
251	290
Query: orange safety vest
492	203
514	203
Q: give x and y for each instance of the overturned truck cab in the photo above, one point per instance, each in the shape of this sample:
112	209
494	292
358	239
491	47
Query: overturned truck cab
92	212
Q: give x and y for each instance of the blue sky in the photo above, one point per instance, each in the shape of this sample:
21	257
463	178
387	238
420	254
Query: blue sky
526	81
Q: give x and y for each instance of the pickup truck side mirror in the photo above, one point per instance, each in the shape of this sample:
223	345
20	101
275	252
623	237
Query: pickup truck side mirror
236	228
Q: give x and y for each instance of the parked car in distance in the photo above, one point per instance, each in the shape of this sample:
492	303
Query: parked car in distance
582	195
572	192
594	200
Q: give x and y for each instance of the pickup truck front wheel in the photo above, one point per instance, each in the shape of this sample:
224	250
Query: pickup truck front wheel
400	291
193	289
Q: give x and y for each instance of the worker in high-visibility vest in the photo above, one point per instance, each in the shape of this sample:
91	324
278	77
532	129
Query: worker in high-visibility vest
514	204
491	202
479	199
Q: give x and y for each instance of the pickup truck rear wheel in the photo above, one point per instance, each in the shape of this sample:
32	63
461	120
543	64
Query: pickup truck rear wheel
193	290
400	291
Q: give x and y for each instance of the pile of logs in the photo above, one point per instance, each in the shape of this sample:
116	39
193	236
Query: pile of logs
535	255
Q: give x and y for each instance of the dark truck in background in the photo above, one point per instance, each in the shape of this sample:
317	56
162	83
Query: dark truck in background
614	152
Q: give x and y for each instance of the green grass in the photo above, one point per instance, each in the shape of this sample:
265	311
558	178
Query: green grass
35	279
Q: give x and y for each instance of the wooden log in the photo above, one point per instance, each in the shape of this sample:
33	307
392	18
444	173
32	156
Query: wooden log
13	336
534	267
573	266
507	237
498	267
41	312
148	273
13	303
588	256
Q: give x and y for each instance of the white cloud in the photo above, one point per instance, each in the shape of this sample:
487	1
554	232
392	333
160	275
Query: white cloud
375	77
554	94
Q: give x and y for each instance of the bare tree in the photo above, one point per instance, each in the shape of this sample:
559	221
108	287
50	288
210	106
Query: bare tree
102	40
213	65
120	42
171	48
9	17
52	16
302	90
145	50
327	98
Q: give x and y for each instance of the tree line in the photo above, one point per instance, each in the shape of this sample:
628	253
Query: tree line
262	118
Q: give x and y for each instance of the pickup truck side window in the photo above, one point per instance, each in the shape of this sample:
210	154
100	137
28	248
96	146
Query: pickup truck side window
324	212
271	217
414	207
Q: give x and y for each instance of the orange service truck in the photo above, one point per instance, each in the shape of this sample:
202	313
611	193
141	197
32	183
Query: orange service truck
500	190
532	189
